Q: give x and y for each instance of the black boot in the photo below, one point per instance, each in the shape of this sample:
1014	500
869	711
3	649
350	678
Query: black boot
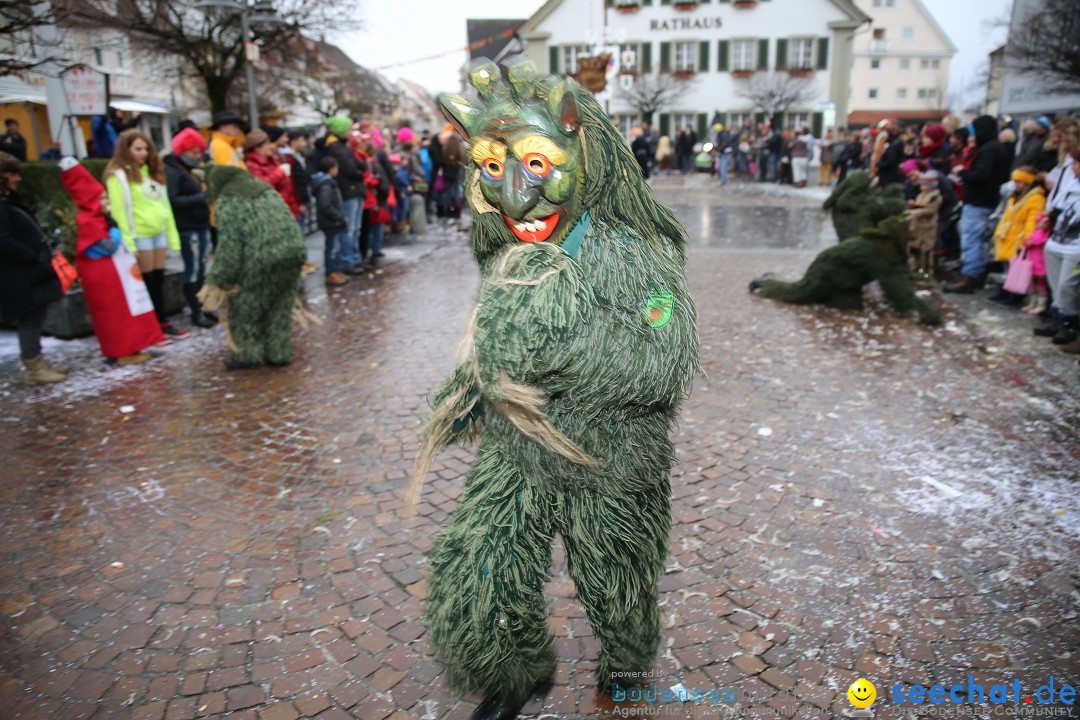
494	709
758	282
1067	333
155	283
1050	327
197	318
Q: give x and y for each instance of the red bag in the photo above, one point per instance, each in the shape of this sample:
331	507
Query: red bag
380	215
64	270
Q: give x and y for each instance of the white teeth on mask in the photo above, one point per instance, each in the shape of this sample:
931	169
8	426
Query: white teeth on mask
541	225
530	227
520	227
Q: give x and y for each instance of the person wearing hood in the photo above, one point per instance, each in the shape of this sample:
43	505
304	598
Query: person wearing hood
117	299
352	184
934	148
256	270
226	139
982	180
192	215
1036	150
1025	205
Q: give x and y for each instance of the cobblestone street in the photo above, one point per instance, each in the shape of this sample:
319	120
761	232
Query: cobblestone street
855	496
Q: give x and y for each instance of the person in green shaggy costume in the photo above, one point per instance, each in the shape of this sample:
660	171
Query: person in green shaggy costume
837	275
850	206
581	346
256	268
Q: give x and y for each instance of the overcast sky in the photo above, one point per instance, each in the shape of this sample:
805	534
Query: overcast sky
429	27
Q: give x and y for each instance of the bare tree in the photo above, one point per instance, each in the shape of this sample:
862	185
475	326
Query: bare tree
775	92
209	43
651	93
1045	43
21	46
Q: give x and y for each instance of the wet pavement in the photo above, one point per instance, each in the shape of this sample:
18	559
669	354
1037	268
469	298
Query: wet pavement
855	496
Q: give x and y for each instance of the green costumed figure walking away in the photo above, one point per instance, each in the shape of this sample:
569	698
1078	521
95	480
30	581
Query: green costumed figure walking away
581	346
256	270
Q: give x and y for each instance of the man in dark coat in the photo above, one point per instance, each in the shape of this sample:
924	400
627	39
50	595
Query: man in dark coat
28	282
982	182
888	166
12	142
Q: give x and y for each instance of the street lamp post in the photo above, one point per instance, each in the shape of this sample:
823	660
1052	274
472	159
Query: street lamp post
264	14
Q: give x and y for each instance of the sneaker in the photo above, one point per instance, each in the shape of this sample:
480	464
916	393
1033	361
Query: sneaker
360	268
336	279
174	332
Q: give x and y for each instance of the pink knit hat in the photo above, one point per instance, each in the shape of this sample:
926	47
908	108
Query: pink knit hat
376	137
910	165
405	135
188	139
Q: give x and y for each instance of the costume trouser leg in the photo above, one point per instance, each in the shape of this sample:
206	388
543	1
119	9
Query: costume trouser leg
616	549
246	327
279	327
486	606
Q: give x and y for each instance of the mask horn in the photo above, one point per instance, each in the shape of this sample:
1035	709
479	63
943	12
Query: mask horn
463	112
563	105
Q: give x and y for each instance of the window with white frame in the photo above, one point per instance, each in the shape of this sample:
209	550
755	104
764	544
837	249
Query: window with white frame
737	120
99	60
743	55
901	93
625	121
627	50
879	33
802	53
928	93
875	63
872	94
120	58
907	34
935	64
570	55
924	64
796	120
905	63
682	120
686	56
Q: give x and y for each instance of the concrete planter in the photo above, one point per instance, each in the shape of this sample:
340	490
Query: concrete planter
67	318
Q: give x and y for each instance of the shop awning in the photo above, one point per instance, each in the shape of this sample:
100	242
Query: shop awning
139	107
23	98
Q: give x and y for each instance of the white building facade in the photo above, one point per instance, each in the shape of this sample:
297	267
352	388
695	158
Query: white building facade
901	64
714	43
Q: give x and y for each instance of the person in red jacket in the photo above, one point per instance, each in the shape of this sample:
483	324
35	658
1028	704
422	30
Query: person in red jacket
263	162
116	296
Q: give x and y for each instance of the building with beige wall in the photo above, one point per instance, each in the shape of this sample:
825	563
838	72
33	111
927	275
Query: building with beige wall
900	66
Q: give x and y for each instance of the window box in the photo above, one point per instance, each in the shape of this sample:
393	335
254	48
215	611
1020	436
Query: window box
685	4
746	4
628	6
683	74
742	73
800	72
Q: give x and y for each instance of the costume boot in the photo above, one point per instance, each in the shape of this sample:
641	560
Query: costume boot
494	709
38	372
213	316
197	317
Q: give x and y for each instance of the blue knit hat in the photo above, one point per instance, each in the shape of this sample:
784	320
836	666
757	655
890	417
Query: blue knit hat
1044	121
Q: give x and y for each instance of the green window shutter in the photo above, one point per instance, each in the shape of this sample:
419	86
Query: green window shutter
759	118
703	56
778	120
762	54
553	59
702	127
646	3
665	57
818	123
781	54
665	2
646	57
665	124
723	52
823	53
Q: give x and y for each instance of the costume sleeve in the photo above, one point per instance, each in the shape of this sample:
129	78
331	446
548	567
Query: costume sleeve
228	266
118	211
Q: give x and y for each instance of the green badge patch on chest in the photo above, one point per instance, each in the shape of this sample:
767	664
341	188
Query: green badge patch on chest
658	308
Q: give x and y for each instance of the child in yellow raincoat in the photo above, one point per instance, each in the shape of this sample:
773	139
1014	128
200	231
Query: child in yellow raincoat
1026	203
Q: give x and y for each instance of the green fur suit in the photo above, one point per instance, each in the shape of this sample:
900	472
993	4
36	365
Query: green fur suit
582	345
837	275
851	204
259	255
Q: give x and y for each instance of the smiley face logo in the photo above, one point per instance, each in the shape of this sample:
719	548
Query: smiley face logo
862	693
